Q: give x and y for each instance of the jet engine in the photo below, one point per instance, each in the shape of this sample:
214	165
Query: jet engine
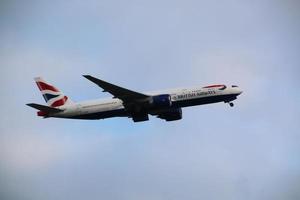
171	115
161	101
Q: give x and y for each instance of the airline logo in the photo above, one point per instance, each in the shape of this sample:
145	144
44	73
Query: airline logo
51	94
220	87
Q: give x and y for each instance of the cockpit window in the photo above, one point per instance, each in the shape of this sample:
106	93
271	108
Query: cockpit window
223	88
234	86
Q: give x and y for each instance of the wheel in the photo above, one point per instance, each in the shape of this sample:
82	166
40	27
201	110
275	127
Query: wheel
231	104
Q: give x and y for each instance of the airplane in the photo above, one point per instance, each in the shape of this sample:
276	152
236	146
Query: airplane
165	105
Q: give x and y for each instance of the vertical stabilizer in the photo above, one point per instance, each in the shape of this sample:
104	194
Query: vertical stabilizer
51	94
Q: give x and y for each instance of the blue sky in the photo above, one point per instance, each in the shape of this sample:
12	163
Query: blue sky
246	152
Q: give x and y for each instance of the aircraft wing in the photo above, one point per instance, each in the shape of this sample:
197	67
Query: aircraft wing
126	95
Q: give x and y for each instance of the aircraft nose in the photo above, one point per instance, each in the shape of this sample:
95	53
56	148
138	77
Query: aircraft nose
237	90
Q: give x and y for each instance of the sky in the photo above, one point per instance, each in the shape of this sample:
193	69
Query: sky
250	151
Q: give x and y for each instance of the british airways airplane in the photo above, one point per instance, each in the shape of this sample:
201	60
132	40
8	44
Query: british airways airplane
166	105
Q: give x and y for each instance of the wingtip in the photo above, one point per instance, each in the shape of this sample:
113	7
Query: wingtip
89	77
38	78
30	105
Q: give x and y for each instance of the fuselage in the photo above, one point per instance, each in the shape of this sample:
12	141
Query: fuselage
183	97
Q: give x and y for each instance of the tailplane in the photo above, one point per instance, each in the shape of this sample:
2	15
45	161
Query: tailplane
52	96
44	111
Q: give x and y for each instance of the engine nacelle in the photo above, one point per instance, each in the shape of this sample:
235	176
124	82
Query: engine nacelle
140	117
161	101
172	115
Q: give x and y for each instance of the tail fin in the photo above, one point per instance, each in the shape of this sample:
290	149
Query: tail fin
51	94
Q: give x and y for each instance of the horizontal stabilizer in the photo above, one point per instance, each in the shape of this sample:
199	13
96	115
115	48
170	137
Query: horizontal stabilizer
46	109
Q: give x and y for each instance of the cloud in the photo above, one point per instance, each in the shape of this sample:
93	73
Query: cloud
31	151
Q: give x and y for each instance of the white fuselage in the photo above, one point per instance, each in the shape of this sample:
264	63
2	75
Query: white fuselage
104	108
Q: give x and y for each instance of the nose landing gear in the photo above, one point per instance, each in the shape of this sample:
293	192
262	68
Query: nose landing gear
230	103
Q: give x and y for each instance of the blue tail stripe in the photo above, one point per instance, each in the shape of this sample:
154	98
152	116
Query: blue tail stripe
48	97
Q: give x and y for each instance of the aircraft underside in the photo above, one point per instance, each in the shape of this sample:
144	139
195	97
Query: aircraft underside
143	116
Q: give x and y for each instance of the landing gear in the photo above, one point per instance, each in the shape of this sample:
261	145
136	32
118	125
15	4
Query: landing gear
231	104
